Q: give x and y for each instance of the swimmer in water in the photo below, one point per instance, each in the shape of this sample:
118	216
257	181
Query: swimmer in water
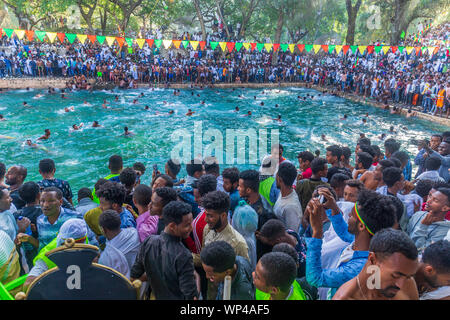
85	103
323	137
46	135
141	95
69	109
146	108
2	118
175	93
276	106
254	97
367	114
192	93
31	144
236	109
278	119
391	130
344	118
104	106
383	136
362	135
26	105
115	99
190	112
249	113
38	96
134	101
364	120
203	102
261	104
63	96
75	127
95	124
171	112
164	102
126	132
198	95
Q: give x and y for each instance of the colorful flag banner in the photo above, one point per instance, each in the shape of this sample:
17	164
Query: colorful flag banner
214	45
202	45
92	38
150	42
20	34
338	49
141	42
268	46
167	43
362	49
71	37
331	48
345	49
238	46
284	47
109	40
51	36
308	47
301	47
177	43
316	48
194	44
291	47
61	36
9	32
230	46
246	45
82	38
158	43
120	41
101	39
30	34
276	46
259	46
129	42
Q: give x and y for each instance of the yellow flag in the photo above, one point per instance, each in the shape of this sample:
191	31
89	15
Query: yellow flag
223	45
362	49
430	51
110	40
292	47
246	45
140	42
316	48
168	43
194	44
386	49
20	34
338	49
51	36
268	46
409	50
81	37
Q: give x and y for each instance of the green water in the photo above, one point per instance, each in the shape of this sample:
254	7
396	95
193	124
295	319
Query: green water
82	156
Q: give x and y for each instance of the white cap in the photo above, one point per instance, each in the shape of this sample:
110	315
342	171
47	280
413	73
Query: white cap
73	228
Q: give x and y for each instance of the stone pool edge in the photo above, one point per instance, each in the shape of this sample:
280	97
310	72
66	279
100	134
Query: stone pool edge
43	83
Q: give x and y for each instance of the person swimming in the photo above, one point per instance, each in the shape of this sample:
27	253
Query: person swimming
249	113
46	135
31	144
146	107
203	102
95	124
236	109
63	96
75	127
383	136
345	117
141	95
134	101
391	130
126	132
261	104
323	137
278	119
364	120
276	106
66	109
38	96
85	103
25	104
2	118
190	112
116	98
104	106
171	112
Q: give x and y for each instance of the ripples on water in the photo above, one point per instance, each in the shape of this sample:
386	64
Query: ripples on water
82	156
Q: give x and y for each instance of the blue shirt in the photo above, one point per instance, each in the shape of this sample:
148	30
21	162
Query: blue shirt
234	200
127	220
47	231
407	171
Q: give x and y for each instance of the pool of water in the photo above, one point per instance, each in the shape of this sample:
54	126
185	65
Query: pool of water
82	156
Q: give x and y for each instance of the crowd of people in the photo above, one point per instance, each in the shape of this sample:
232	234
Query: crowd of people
320	230
418	81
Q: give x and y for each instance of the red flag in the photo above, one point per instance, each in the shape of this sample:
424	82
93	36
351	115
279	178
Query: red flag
370	49
301	47
30	34
345	48
120	41
230	46
394	49
177	43
253	46
202	45
92	38
150	42
61	36
276	46
418	49
325	48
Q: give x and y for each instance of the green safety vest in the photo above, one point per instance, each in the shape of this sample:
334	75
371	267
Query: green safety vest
264	188
41	255
94	196
297	293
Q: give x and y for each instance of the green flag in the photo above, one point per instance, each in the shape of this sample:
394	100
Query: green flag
308	47
401	49
185	43
214	44
71	37
101	39
354	49
129	42
284	47
331	48
259	46
378	49
238	46
8	32
158	43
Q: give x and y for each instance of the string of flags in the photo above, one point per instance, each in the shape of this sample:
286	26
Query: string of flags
224	46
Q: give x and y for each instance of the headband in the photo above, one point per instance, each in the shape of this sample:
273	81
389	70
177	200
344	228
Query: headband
361	220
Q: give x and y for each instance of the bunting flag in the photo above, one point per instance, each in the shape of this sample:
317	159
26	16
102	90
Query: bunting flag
177	43
284	47
276	46
92	38
51	36
362	49
223	45
324	47
345	49
370	49
316	48
430	51
167	43
71	37
378	49
409	50
61	36
436	50
185	44
238	46
301	47
129	42
354	49
246	45
194	44
291	47
259	46
394	49
109	40
20	34
338	49
120	41
158	43
202	45
214	45
331	48
417	50
150	42
401	48
141	42
101	39
30	35
82	38
386	49
253	45
230	46
8	32
308	47
268	46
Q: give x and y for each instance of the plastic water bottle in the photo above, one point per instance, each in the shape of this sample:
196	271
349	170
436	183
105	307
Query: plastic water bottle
28	230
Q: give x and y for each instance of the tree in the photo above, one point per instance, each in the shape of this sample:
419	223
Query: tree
200	18
127	7
352	12
87	9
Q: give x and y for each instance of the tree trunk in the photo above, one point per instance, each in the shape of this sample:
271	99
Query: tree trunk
246	18
280	24
400	20
219	11
103	20
200	19
352	13
87	16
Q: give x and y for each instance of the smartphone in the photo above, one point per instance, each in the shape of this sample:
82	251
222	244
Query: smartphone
322	199
155	168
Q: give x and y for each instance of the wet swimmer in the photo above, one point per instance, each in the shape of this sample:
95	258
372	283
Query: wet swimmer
46	135
236	109
85	103
278	119
364	120
66	109
345	117
127	133
2	118
135	101
116	98
38	96
323	137
95	124
249	113
75	127
276	106
26	105
146	107
171	112
190	112
141	95
63	96
261	104
31	144
203	102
